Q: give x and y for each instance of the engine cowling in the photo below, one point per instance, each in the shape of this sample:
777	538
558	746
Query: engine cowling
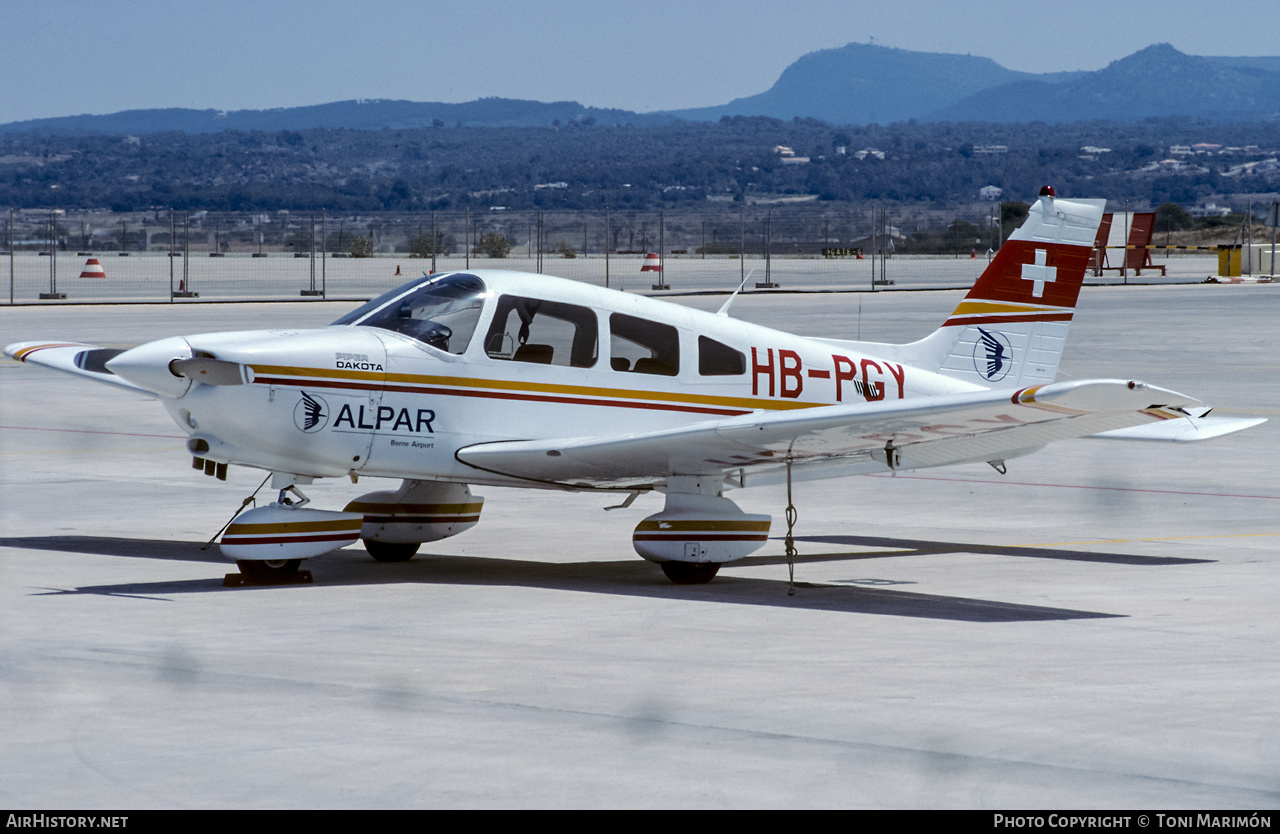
420	511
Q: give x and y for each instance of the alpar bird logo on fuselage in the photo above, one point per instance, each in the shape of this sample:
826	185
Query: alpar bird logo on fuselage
314	413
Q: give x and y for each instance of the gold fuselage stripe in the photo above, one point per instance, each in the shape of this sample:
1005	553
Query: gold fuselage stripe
376	379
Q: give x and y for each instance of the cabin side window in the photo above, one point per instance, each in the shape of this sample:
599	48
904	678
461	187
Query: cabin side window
717	359
641	346
543	333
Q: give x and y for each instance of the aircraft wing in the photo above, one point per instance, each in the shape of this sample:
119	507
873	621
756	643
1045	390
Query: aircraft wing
74	358
843	439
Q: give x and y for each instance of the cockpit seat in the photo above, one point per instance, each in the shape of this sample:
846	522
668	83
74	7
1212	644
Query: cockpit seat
537	354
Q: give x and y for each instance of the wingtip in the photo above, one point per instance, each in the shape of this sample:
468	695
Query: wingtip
21	350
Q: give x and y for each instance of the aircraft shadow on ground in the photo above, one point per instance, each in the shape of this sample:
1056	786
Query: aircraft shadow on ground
629	578
920	547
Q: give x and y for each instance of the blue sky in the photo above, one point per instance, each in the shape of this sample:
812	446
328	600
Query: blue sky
65	58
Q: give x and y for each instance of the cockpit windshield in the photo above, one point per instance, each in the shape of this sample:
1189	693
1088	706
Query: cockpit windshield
441	311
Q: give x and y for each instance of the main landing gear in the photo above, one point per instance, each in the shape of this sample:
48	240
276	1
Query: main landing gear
391	551
397	522
690	573
698	530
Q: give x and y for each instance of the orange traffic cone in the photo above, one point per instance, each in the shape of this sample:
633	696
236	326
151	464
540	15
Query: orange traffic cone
93	269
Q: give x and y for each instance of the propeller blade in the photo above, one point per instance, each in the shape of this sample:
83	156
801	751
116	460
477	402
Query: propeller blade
212	371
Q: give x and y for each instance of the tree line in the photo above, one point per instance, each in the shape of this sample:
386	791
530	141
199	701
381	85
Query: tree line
583	166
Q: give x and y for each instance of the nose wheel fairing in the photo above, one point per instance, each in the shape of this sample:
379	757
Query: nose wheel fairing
285	532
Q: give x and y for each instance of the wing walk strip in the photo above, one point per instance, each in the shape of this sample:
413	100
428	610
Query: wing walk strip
512	390
1027	396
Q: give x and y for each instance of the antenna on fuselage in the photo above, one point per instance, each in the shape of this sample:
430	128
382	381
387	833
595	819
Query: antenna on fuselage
724	308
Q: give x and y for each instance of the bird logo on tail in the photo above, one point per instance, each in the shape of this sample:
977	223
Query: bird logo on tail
997	359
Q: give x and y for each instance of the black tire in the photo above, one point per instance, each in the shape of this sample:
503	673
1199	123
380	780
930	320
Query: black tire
690	573
269	570
391	551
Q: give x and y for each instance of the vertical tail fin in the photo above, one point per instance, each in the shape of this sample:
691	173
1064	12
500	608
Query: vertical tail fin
1009	331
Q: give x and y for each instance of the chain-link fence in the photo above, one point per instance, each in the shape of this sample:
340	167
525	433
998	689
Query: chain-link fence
162	255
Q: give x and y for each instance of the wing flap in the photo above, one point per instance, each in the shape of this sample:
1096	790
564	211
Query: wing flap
907	434
88	361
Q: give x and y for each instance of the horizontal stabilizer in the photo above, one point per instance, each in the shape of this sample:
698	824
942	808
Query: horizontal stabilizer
1186	430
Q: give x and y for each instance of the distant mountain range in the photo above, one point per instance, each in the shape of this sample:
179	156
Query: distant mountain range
1158	81
864	84
362	114
856	84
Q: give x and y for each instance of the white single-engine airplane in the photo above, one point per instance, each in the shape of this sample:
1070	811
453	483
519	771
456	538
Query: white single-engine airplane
510	379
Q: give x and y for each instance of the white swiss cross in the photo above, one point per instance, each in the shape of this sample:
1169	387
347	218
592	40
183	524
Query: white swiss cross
1037	273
